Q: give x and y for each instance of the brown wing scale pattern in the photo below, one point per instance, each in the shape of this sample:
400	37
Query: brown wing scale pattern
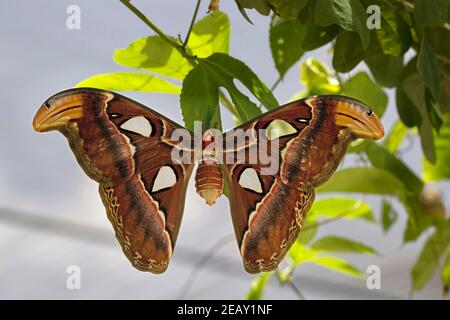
266	223
125	147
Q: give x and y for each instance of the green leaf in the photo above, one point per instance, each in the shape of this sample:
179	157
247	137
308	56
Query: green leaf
419	217
444	93
439	40
415	90
388	216
395	137
316	36
441	169
365	180
433	111
154	54
287	8
350	15
221	70
338	265
246	76
445	272
386	69
258	285
407	110
348	52
261	6
327	12
242	9
361	87
285	42
357	146
394	35
299	253
129	81
428	67
383	159
430	13
209	35
317	78
200	107
435	247
360	22
340	244
335	207
381	182
308	231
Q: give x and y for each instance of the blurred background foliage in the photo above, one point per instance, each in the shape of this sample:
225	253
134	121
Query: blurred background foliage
405	45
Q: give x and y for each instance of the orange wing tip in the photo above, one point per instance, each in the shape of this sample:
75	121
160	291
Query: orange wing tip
361	121
57	111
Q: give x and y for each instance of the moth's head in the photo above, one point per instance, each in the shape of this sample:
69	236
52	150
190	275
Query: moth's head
354	115
61	108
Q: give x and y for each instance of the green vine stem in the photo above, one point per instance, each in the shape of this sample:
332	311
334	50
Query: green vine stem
181	48
158	31
194	17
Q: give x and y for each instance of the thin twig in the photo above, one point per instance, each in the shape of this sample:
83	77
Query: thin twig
201	263
276	83
158	31
194	16
181	48
296	290
291	284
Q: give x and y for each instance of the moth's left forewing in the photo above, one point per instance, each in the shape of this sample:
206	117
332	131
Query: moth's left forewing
127	148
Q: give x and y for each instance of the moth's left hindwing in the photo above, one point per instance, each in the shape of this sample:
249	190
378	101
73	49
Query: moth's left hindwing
126	147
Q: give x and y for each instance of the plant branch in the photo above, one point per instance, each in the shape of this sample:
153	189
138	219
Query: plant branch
180	47
276	83
296	290
291	284
192	23
201	263
158	31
